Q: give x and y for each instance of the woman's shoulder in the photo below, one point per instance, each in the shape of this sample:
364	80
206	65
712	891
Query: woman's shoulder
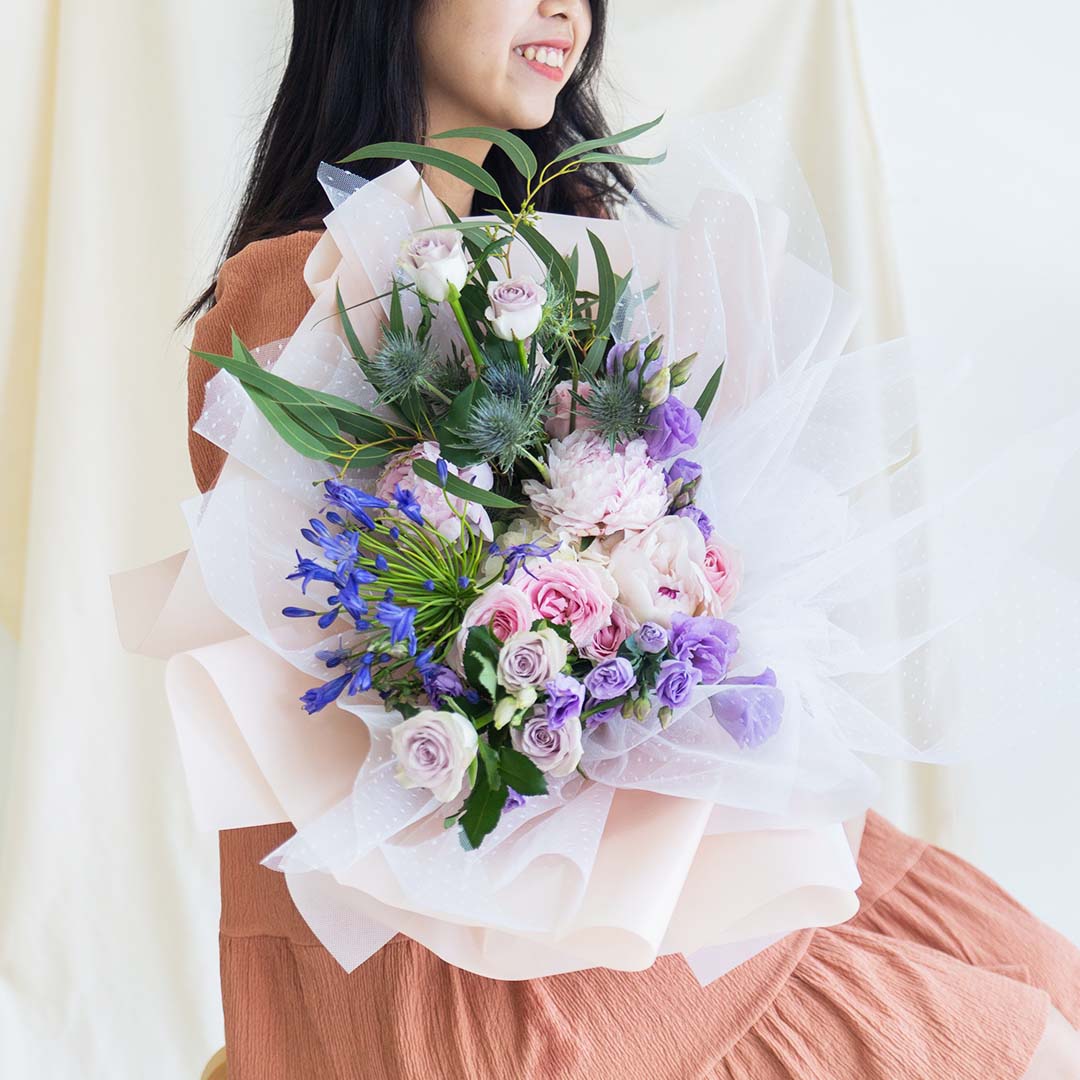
261	291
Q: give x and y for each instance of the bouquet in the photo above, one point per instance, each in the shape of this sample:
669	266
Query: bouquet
530	563
563	570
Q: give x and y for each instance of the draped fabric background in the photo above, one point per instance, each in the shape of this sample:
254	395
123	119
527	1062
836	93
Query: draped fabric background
125	121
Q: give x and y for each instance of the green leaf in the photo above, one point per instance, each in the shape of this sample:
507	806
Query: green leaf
625	159
293	433
704	402
572	262
490	760
397	318
607	140
481	642
426	470
517	150
547	254
455	164
457	418
595	354
520	773
606	278
358	350
483	808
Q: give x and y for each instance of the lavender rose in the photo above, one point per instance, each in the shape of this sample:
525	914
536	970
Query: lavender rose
552	750
530	657
672	428
565	696
434	750
651	638
434	262
707	643
611	679
749	708
517	306
675	682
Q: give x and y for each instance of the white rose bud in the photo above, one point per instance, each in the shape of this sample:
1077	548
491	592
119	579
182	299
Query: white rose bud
517	305
556	751
530	658
434	262
434	750
509	707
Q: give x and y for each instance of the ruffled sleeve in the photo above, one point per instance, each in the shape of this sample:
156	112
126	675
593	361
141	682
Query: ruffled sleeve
262	295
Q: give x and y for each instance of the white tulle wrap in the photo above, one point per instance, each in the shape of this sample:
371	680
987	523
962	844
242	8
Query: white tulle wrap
857	577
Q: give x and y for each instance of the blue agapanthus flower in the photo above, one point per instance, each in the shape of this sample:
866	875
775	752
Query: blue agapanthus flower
399	621
355	501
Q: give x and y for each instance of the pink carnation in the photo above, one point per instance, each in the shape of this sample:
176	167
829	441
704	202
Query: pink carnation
723	569
569	593
593	490
438	510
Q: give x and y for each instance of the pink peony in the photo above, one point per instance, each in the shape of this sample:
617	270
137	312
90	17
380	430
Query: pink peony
661	572
568	593
723	568
437	509
593	490
557	424
606	641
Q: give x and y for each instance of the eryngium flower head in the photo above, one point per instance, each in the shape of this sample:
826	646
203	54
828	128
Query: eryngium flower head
502	429
403	363
617	409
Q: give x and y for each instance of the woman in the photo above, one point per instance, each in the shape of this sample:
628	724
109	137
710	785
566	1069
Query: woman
939	975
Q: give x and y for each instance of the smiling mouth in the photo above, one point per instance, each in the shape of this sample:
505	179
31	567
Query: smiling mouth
548	71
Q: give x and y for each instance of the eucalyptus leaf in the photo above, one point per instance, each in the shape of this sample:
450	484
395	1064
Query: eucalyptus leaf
704	402
624	159
517	150
607	140
358	350
606	279
455	164
426	470
548	255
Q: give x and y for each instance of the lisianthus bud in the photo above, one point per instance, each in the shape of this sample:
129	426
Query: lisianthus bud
658	388
665	716
628	710
434	262
517	306
633	354
653	351
642	707
504	712
680	372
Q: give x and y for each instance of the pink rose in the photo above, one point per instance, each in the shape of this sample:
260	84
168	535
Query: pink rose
557	424
607	640
502	607
723	568
569	593
438	510
661	572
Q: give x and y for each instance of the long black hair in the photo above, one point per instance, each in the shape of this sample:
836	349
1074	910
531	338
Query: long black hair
353	78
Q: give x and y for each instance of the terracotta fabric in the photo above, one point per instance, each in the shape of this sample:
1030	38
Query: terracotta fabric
940	975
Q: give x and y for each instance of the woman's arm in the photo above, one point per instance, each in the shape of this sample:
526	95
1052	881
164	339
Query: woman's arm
261	294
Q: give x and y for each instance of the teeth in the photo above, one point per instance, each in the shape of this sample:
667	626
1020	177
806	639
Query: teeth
543	55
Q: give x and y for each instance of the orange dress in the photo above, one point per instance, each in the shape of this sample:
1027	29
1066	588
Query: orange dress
940	975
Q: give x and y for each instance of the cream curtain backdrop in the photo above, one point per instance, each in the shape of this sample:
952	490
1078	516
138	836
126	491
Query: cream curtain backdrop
126	126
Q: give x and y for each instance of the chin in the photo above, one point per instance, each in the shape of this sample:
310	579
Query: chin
528	118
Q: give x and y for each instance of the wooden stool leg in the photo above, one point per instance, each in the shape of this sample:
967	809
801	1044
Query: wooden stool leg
216	1069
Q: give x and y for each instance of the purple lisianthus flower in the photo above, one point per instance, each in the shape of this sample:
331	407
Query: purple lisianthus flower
682	471
707	643
698	517
672	428
610	679
441	682
651	637
601	716
675	681
749	708
513	799
614	364
565	696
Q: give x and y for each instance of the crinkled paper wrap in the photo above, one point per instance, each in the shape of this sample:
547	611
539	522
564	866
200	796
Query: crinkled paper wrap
681	841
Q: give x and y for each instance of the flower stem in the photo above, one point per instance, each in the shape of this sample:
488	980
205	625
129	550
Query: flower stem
454	300
522	354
